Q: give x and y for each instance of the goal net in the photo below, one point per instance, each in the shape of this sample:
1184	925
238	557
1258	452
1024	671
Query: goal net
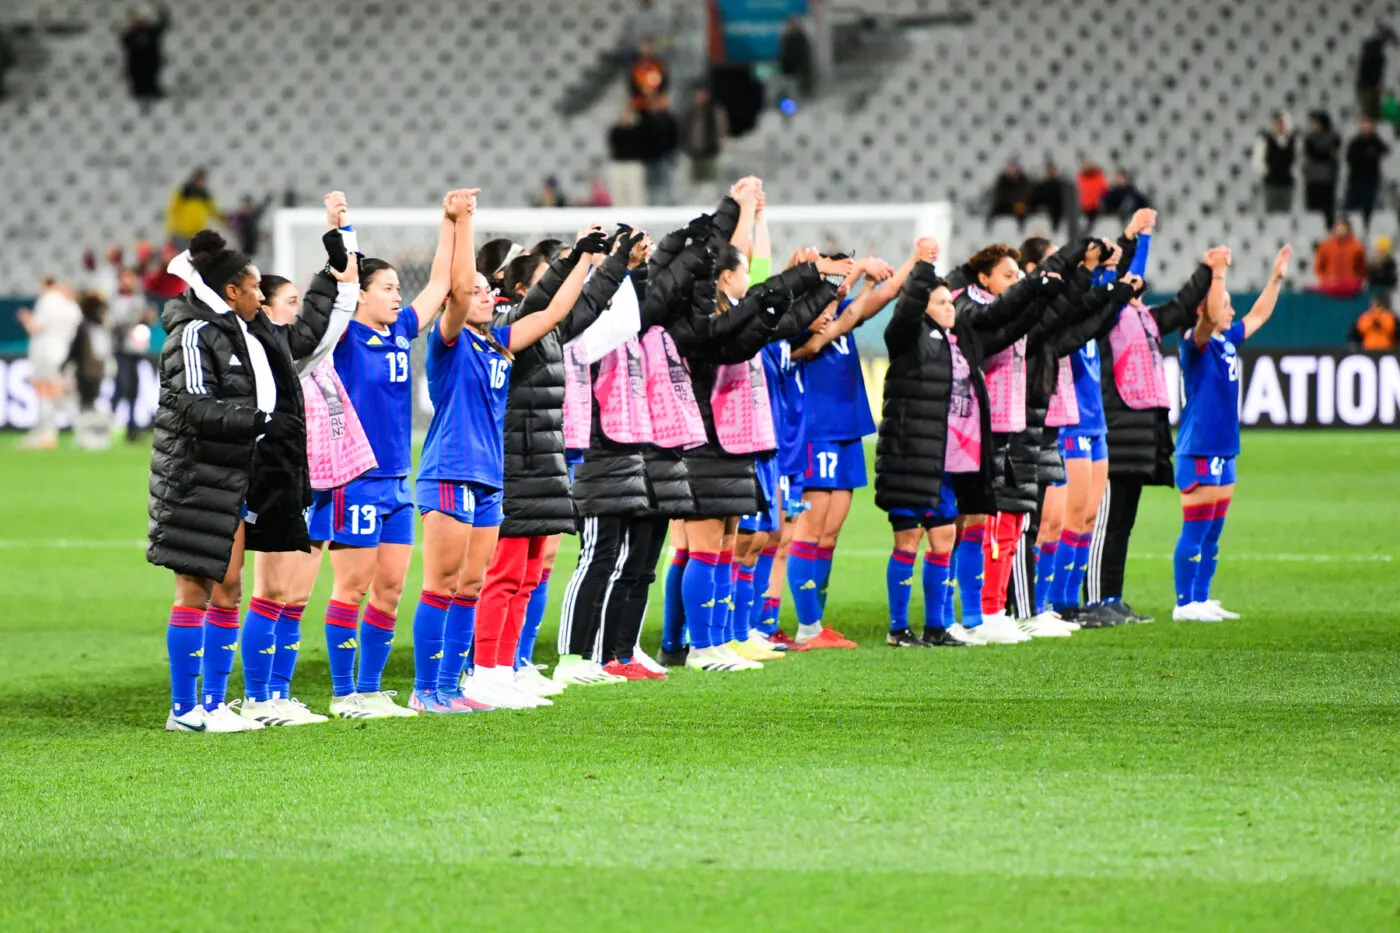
406	237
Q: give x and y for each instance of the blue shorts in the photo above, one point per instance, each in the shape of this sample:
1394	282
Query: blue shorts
1204	471
470	503
835	465
365	512
1091	447
944	513
790	489
768	486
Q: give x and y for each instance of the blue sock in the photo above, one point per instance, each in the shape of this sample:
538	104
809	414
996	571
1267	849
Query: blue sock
899	586
1044	574
284	662
220	647
534	616
722	622
970	571
825	556
673	618
342	620
762	576
1186	562
184	642
259	647
947	613
1063	572
743	603
429	624
1210	549
768	615
376	637
458	634
698	591
802	580
938	594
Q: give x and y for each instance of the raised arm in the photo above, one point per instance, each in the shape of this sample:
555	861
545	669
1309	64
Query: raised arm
1264	305
431	298
1181	309
762	242
458	208
527	330
906	324
745	192
543	292
600	288
1216	298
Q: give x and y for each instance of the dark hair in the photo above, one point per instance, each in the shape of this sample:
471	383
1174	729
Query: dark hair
548	249
269	285
93	306
368	269
519	272
727	256
492	255
216	264
1032	251
985	259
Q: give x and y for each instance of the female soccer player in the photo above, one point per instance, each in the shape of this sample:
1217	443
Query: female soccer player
369	521
337	451
228	387
461	479
1209	436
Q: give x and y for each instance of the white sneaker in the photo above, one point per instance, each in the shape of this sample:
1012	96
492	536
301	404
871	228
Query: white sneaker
530	680
1055	616
1042	626
646	660
225	718
584	672
969	635
998	629
296	713
188	721
1194	612
352	706
267	712
485	686
741	663
1214	605
715	659
383	702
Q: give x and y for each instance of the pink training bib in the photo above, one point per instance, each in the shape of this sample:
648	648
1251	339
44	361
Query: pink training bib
577	388
675	415
1006	388
337	449
743	418
962	452
1138	371
621	392
1064	403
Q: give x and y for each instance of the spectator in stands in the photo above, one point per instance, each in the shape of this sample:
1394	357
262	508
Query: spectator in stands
1275	151
1370	72
1093	185
191	209
550	194
1011	194
1340	263
131	314
1124	198
703	133
1048	195
660	136
795	62
142	41
1381	272
1364	154
90	356
627	169
1375	328
1322	161
246	223
644	24
51	327
102	277
160	284
648	76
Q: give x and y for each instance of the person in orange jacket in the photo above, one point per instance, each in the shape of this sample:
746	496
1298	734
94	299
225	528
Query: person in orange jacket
1375	329
1340	262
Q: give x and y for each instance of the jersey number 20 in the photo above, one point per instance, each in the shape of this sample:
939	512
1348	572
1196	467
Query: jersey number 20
398	366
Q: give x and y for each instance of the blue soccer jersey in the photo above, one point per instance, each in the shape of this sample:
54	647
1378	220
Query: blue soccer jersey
374	365
1084	364
1210	418
836	407
468	381
785	391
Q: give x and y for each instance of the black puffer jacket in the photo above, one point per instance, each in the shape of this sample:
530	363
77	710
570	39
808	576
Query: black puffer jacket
206	461
537	497
1140	439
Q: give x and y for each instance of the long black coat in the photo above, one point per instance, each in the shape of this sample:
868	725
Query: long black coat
206	461
1140	445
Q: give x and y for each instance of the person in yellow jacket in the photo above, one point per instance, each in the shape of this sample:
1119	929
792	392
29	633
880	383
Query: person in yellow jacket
191	209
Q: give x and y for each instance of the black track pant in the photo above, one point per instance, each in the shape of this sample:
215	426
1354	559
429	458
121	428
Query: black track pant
625	605
1020	589
616	565
1108	556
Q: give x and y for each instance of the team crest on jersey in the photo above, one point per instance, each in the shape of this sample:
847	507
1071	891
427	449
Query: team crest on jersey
402	342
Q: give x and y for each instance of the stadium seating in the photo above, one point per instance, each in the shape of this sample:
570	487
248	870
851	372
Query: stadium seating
402	98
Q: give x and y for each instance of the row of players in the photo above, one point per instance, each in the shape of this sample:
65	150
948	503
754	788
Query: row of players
614	387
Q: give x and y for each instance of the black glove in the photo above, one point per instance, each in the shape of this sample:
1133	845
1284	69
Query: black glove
594	242
336	256
700	228
1049	286
627	238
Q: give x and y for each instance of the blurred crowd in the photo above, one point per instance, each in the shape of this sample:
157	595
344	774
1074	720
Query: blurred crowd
1079	201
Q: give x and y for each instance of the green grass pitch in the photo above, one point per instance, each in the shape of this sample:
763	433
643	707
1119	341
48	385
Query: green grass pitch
1243	776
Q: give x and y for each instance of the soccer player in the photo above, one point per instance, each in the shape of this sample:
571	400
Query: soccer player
1209	436
369	521
461	479
228	389
336	451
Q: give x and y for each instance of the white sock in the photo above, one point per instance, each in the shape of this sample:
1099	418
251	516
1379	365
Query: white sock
805	632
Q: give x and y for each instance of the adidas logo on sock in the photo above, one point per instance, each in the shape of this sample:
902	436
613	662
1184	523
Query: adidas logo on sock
294	646
348	644
232	647
197	654
436	657
707	605
809	585
909	582
271	649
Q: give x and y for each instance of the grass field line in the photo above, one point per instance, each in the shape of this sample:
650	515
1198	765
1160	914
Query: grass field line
98	544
